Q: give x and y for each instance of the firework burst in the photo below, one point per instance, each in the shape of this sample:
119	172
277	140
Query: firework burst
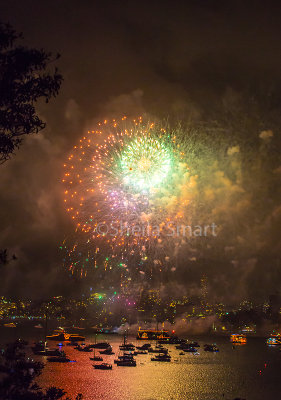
124	184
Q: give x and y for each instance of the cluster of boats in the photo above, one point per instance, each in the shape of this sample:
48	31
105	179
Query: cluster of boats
128	351
191	347
159	352
273	340
53	355
126	359
56	354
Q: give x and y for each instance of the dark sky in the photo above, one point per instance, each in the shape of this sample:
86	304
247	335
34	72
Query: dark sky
178	59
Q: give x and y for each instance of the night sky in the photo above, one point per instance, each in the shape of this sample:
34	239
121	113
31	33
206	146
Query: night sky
183	60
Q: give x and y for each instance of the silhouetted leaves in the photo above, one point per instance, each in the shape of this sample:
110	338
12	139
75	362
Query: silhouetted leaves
24	79
5	258
18	375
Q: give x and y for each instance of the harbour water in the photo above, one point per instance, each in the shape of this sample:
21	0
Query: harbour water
250	371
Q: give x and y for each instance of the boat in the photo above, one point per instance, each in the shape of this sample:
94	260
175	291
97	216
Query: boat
58	335
193	344
74	337
274	340
182	345
101	345
126	346
62	336
152	334
126	363
237	338
38	346
10	325
145	346
96	358
125	357
49	352
85	349
40	349
103	366
62	358
190	349
173	339
107	351
162	358
140	352
211	348
158	350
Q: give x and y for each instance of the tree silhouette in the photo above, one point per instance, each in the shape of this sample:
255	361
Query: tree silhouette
18	374
24	79
4	257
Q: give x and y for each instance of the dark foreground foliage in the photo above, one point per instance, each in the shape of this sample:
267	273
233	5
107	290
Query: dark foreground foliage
18	376
25	78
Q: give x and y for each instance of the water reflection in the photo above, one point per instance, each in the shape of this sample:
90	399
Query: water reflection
250	371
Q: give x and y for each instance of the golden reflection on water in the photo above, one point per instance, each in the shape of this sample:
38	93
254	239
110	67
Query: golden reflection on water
209	376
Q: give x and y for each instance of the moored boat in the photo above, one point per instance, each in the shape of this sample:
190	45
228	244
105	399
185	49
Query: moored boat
274	340
190	349
125	357
126	363
74	337
61	336
38	346
49	352
107	351
140	352
101	345
125	346
193	344
85	349
211	348
157	350
161	358
103	366
61	358
10	325
145	346
237	338
96	358
152	334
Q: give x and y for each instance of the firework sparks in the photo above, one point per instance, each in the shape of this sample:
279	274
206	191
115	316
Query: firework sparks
122	179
